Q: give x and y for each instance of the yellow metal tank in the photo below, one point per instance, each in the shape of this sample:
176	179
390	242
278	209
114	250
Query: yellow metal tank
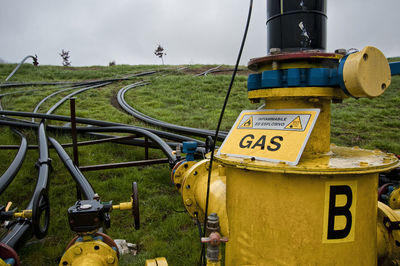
320	208
320	212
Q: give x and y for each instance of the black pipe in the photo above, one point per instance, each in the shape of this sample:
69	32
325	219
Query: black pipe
296	25
55	106
23	230
157	140
76	174
163	134
72	83
182	129
12	170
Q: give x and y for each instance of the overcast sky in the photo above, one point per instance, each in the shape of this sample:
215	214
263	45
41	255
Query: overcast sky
203	32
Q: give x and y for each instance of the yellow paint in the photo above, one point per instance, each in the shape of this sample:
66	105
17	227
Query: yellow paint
278	219
247	124
279	93
388	251
157	262
177	176
93	253
295	124
194	190
366	73
24	214
339	161
394	199
2	263
123	206
340	221
322	211
271	136
213	263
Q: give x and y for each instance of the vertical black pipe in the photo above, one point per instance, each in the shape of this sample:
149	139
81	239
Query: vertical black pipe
296	25
73	131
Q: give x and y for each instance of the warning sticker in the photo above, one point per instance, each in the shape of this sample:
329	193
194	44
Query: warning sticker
275	121
270	135
247	123
295	124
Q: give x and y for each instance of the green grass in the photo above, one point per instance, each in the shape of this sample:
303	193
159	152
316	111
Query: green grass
369	123
175	97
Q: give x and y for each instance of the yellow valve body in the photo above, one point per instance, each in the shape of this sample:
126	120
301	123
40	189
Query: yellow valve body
366	73
194	190
90	253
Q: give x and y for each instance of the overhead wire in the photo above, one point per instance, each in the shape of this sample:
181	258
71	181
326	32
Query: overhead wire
219	125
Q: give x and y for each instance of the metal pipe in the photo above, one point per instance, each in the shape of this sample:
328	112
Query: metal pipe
127	129
157	140
66	145
20	64
73	131
123	164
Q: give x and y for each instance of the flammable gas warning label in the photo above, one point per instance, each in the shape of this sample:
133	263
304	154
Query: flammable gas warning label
270	135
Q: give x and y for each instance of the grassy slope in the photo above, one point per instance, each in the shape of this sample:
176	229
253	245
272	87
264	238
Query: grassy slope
173	97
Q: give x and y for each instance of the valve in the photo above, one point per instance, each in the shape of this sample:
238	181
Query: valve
6	215
41	204
90	215
40	222
133	205
214	239
189	147
209	144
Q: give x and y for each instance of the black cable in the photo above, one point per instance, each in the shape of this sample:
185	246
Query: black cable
219	123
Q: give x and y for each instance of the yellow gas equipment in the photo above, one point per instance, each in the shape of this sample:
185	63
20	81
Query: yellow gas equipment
284	194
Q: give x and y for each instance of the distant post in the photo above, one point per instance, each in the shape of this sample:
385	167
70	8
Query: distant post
159	52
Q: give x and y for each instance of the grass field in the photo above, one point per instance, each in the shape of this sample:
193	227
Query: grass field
173	96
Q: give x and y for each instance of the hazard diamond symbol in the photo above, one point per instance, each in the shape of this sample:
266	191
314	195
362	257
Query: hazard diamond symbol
248	123
295	124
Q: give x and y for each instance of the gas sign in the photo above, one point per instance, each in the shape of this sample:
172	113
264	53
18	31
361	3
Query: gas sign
270	135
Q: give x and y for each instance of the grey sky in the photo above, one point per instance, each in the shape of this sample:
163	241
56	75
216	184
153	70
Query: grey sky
207	31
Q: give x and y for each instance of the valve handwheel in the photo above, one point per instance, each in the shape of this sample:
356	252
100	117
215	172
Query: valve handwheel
41	204
135	205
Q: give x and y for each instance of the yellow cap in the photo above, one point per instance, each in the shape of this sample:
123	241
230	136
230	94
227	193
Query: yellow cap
366	73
